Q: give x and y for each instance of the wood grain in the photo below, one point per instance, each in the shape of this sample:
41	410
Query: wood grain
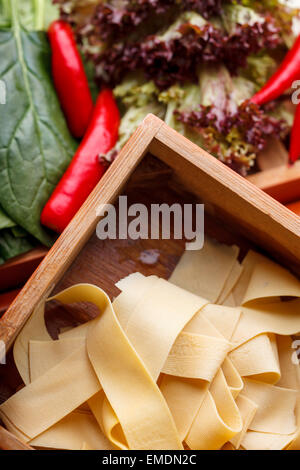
236	200
176	171
245	209
283	185
103	263
78	232
17	271
110	260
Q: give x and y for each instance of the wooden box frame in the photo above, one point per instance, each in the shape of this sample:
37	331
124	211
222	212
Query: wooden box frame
228	195
276	177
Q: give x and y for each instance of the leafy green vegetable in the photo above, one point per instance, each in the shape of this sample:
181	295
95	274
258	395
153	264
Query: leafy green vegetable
5	221
175	54
260	69
133	118
10	233
4	14
51	13
33	14
238	14
232	128
134	91
183	97
19	232
214	114
283	14
138	98
198	68
11	245
35	144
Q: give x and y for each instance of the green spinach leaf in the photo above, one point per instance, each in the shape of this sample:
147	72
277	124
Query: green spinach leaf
35	144
33	14
10	235
14	240
5	221
11	246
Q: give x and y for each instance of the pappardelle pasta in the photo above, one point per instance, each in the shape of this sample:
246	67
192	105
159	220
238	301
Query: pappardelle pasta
204	360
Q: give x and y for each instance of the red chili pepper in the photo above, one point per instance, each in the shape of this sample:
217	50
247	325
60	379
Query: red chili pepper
69	78
85	170
295	137
283	78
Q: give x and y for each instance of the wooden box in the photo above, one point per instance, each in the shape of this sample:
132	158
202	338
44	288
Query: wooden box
274	176
157	165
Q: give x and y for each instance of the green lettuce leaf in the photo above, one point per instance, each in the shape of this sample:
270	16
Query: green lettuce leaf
134	91
134	117
260	68
238	14
230	127
281	11
129	123
181	98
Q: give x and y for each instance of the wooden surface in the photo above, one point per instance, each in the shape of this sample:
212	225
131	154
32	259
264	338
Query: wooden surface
16	271
236	213
103	263
77	233
6	299
234	199
282	182
274	154
229	197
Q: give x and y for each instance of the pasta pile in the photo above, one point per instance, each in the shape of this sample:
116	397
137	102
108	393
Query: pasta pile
202	361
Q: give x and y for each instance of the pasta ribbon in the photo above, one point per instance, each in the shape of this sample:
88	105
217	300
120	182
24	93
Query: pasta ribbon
202	361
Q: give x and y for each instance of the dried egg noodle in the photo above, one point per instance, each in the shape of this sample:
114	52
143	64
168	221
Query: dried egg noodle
203	361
